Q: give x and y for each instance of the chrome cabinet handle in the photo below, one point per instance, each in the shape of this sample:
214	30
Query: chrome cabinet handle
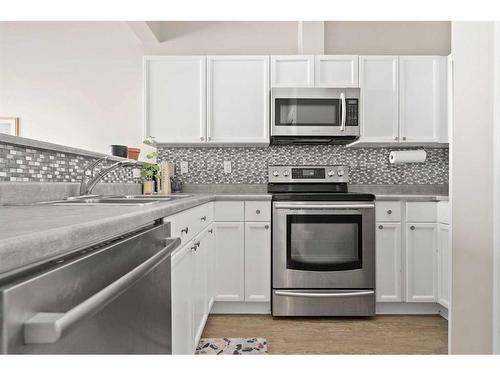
320	295
257	212
49	327
389	212
202	138
197	243
404	138
210	231
412	227
396	138
266	226
380	227
203	218
185	230
194	247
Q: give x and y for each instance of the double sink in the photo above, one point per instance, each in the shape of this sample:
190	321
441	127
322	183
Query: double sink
117	200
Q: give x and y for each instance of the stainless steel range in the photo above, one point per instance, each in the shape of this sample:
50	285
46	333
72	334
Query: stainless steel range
323	243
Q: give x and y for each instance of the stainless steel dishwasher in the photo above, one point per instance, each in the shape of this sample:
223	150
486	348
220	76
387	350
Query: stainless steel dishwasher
112	298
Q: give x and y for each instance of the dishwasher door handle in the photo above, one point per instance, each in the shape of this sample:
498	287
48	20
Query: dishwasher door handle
47	328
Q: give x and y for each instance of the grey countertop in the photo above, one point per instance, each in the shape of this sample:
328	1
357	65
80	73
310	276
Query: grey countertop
411	197
36	233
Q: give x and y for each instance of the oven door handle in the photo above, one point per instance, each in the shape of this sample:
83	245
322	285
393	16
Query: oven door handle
324	295
324	206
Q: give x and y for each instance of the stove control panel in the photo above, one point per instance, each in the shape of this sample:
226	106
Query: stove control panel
308	173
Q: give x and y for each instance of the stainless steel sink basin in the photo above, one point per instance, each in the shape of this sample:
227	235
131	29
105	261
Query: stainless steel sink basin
117	200
105	202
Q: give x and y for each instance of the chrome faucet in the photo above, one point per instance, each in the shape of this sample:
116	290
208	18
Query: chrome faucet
89	181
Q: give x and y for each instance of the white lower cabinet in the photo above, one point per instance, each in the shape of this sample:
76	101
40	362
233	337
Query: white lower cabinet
388	262
443	264
192	290
421	256
258	261
230	259
182	301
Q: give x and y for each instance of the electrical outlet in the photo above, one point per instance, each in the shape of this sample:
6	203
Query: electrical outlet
227	166
184	167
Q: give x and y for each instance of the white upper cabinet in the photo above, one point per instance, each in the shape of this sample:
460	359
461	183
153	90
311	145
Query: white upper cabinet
175	98
292	71
238	99
421	95
336	71
379	83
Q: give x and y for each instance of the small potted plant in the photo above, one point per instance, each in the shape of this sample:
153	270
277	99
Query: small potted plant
150	169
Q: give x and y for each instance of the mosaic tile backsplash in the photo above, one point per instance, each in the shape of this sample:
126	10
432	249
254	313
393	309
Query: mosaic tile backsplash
22	164
249	165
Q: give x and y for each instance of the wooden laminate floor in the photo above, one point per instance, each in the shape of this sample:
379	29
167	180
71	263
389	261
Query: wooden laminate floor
383	334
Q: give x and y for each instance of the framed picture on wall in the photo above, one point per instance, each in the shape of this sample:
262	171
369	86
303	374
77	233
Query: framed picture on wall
9	125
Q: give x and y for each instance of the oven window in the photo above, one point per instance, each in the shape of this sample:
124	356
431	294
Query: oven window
307	112
324	242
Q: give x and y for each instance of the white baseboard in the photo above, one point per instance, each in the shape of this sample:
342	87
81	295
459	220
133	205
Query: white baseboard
417	308
241	308
443	311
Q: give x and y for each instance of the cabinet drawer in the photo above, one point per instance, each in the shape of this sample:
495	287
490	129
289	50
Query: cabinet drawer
444	212
187	224
388	211
257	211
229	211
423	212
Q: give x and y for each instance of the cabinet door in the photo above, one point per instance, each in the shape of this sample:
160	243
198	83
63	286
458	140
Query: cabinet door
238	99
212	267
292	71
258	261
388	264
200	281
336	71
175	98
421	251
182	301
419	96
230	249
443	264
379	104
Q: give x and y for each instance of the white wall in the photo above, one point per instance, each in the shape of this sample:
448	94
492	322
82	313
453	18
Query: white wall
472	188
496	194
80	83
72	83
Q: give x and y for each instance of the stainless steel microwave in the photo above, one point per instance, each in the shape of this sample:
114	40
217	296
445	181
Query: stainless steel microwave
314	115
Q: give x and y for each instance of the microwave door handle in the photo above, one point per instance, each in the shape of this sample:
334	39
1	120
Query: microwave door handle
343	111
47	328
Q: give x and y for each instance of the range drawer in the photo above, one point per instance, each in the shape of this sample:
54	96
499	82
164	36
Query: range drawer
388	211
257	211
189	223
323	302
421	212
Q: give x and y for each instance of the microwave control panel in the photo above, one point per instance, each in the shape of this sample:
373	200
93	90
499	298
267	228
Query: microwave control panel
351	112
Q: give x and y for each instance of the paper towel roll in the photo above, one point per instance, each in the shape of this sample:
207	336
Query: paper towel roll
413	156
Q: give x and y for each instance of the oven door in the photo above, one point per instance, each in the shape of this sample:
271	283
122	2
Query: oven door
323	245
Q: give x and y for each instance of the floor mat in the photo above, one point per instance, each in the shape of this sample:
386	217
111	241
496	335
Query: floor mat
232	345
